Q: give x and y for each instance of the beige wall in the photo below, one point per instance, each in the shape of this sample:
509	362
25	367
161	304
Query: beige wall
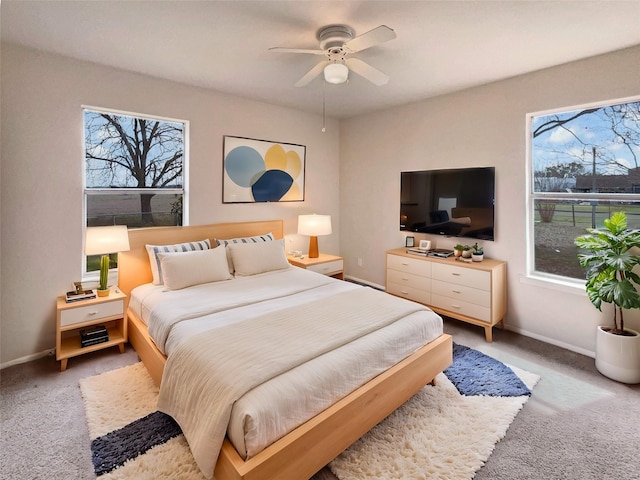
42	217
483	126
353	175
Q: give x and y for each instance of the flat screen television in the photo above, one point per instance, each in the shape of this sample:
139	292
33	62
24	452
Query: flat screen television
453	202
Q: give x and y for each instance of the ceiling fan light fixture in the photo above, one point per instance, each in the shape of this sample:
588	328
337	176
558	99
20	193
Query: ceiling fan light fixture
336	73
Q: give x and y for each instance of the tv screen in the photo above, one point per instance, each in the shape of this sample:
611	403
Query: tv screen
454	202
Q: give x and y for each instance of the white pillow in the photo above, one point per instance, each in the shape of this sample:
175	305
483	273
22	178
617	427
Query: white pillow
253	258
184	269
255	239
154	250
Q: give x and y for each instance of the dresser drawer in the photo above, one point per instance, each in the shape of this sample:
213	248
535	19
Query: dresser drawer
72	316
410	293
462	307
461	292
409	265
469	277
328	268
408	279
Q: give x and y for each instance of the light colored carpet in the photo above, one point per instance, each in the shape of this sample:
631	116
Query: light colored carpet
577	425
437	434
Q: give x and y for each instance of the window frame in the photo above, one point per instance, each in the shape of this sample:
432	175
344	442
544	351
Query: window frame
91	276
532	275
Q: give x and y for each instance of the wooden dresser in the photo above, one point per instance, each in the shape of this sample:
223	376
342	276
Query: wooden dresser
473	292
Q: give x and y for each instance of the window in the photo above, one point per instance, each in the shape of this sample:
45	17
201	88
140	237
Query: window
585	165
134	171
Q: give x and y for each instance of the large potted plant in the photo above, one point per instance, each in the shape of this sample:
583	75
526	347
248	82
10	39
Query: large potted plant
607	255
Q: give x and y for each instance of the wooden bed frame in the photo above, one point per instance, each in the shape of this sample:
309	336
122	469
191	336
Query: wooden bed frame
304	451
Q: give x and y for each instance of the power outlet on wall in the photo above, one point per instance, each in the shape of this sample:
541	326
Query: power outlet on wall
359	262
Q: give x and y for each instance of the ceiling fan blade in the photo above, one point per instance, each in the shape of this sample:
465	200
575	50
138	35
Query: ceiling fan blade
311	74
365	70
373	37
296	50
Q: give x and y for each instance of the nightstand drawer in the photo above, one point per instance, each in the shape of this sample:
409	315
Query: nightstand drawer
72	316
328	268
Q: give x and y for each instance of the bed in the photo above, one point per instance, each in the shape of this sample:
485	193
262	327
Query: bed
306	447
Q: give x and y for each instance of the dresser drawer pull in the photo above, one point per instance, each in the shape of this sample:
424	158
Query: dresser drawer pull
456	291
455	306
405	264
95	312
455	274
404	292
404	279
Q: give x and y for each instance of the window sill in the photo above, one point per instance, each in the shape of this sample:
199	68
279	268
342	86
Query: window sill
575	287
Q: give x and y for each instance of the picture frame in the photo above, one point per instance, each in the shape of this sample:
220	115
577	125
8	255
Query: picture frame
410	241
425	245
256	171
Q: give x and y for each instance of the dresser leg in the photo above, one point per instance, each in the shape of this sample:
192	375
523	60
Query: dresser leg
488	334
121	347
63	364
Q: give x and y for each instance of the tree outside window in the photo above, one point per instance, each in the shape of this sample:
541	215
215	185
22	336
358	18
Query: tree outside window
585	165
133	171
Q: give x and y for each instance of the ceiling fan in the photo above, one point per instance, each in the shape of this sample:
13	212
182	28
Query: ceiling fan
337	43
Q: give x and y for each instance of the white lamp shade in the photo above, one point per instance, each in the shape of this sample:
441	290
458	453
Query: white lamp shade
314	225
336	73
104	240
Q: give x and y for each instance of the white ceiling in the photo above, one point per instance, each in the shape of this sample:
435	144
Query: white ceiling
441	46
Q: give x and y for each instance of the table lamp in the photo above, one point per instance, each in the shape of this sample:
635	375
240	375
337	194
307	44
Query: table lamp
314	225
103	241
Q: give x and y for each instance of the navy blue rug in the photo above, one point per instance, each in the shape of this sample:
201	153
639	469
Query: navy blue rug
472	373
110	451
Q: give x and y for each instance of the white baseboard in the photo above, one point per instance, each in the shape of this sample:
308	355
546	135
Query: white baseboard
552	341
28	358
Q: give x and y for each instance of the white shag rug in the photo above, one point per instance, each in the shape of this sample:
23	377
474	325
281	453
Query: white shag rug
437	434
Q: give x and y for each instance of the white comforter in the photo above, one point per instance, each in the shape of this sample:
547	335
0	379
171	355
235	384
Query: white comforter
270	410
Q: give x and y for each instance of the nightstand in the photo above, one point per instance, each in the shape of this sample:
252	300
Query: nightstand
75	316
330	265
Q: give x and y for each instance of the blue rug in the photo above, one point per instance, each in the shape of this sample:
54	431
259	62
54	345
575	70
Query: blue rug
112	450
116	451
474	373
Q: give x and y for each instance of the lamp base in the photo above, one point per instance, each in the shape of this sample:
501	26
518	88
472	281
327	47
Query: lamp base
313	247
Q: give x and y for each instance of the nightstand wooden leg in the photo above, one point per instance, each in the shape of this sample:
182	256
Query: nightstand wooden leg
63	364
121	347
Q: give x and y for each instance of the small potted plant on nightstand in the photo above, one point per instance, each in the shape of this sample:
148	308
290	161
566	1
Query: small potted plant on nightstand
478	253
466	251
607	254
457	250
103	288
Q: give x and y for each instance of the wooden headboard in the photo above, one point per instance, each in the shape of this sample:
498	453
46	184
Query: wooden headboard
134	268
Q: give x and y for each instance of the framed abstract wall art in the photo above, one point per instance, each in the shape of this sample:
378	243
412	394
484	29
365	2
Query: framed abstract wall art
262	171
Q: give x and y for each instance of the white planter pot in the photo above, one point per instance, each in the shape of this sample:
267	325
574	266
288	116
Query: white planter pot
477	258
618	356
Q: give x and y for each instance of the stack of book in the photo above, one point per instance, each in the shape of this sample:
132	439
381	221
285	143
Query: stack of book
74	296
93	335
